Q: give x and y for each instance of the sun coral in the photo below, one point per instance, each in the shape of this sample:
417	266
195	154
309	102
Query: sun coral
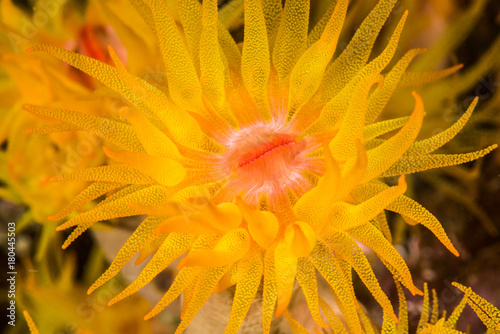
259	163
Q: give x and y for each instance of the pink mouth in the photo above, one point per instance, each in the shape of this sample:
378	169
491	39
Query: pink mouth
267	159
276	142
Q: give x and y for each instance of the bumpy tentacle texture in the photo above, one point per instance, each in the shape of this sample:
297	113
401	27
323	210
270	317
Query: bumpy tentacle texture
31	324
264	162
431	321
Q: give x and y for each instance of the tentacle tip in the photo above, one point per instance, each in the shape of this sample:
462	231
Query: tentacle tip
380	82
160	230
402	182
182	263
114	57
107	150
280	311
416	95
322	324
111	50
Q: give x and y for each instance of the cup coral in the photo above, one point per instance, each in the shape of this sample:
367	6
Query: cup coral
259	163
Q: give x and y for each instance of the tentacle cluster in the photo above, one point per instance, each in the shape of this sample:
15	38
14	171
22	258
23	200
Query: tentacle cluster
264	162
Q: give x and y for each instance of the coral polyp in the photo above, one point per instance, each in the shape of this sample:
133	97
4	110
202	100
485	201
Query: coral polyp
260	163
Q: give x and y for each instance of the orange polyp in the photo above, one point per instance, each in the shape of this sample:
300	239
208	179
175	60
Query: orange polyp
275	142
